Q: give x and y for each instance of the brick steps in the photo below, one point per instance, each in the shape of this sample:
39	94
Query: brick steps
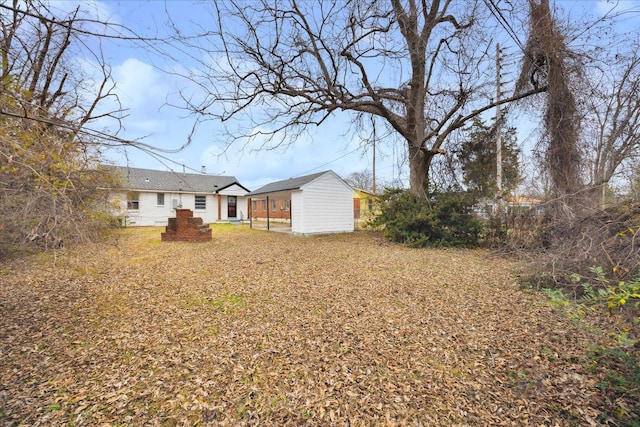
186	228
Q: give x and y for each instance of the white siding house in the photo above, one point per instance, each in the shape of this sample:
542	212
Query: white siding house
320	203
150	197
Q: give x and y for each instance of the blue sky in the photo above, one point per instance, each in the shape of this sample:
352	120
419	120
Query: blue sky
143	89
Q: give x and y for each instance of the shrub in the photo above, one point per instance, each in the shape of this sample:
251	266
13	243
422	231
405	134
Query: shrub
442	219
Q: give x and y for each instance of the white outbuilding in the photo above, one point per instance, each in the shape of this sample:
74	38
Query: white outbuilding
319	203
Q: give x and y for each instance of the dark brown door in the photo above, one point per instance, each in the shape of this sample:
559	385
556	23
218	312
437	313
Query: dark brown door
231	206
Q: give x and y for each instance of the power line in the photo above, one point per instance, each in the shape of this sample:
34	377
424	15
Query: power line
330	161
504	23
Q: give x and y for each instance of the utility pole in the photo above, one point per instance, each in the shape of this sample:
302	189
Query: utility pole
498	126
374	154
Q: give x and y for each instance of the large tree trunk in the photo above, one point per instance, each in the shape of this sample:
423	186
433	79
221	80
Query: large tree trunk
419	165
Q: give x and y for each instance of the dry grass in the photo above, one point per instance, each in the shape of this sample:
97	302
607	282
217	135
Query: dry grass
269	328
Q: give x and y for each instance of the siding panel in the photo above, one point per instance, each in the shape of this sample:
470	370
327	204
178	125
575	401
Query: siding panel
150	214
328	206
297	212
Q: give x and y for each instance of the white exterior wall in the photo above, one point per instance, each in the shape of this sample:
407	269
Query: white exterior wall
243	208
150	214
209	214
326	205
297	212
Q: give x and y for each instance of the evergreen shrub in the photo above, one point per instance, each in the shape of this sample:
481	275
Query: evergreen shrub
441	220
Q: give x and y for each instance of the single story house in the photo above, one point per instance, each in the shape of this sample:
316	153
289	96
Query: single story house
318	203
150	197
363	206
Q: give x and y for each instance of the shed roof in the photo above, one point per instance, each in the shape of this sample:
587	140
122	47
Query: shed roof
366	192
156	180
287	184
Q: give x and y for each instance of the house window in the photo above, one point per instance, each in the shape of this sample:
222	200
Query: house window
264	206
370	204
254	206
273	205
133	200
160	197
287	205
201	202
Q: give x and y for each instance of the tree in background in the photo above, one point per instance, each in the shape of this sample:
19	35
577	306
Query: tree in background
477	157
548	62
50	184
423	68
634	186
612	117
362	180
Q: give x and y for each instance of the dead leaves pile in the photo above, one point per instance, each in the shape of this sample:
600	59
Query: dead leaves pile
258	328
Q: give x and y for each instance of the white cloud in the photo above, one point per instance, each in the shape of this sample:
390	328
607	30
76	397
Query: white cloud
312	153
89	9
629	9
138	84
143	90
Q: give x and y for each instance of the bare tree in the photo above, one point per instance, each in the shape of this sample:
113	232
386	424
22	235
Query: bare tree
612	117
547	63
591	116
362	180
282	66
49	176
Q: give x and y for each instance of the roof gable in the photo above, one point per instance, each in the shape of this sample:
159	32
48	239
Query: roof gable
344	183
233	189
364	193
171	181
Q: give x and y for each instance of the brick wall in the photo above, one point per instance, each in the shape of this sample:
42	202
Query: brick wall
280	213
186	228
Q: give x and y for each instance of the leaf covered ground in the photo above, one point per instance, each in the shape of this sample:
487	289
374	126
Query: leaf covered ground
259	328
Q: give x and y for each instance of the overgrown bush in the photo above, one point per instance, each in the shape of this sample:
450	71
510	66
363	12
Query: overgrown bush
51	188
609	238
614	367
52	191
443	219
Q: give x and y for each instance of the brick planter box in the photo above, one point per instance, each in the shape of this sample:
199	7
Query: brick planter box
186	228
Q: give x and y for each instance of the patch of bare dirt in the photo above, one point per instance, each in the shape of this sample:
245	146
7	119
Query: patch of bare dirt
273	329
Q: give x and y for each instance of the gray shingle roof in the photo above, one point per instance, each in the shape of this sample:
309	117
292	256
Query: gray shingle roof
287	184
155	180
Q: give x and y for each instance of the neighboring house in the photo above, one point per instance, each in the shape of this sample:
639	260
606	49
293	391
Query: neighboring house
150	197
509	205
318	203
275	210
363	206
522	204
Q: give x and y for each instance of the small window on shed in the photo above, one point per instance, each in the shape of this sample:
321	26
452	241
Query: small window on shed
160	197
201	202
133	200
